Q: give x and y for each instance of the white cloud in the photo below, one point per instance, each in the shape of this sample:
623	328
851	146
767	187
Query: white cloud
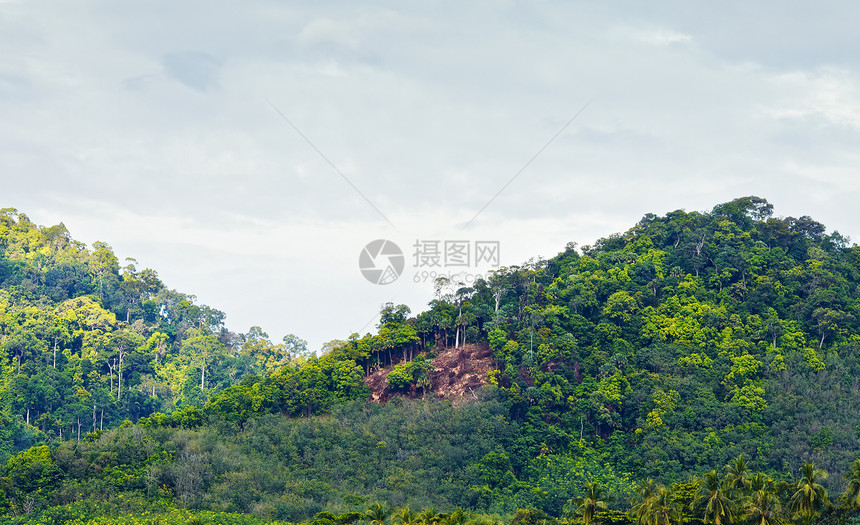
659	37
829	94
149	129
353	32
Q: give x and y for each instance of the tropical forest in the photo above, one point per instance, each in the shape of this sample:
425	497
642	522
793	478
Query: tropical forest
699	368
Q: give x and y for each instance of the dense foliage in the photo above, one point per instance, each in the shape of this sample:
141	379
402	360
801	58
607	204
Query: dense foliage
87	344
717	354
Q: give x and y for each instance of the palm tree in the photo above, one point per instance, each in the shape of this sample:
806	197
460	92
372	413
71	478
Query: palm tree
484	520
429	516
591	502
716	499
645	490
377	513
481	520
763	508
405	516
457	517
737	473
852	492
809	496
658	507
759	481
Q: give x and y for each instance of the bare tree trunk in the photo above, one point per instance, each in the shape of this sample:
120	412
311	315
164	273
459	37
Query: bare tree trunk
700	245
119	376
532	342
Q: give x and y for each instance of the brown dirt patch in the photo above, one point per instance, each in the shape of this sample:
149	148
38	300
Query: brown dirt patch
457	373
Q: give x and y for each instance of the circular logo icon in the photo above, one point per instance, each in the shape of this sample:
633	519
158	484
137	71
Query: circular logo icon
381	261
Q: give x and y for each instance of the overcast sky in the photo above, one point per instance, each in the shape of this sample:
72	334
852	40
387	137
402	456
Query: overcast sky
155	127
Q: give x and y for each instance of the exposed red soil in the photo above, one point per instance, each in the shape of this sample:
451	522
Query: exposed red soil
457	372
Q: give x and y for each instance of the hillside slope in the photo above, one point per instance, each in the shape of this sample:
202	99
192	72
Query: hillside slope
87	342
456	372
724	341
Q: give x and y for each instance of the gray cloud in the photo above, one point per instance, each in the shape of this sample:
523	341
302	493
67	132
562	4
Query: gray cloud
196	70
149	128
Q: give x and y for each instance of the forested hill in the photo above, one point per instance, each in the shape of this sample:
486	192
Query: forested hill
89	342
695	360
